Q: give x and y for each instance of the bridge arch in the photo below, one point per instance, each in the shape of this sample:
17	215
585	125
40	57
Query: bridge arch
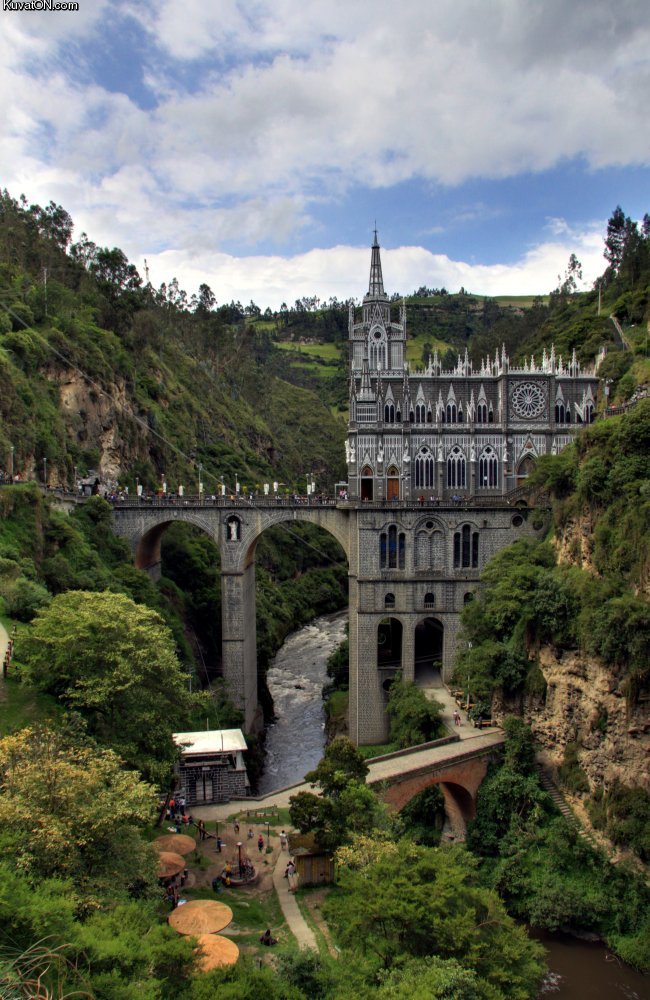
236	530
459	783
146	544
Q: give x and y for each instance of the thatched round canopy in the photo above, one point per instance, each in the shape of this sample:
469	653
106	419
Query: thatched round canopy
216	951
170	864
200	916
180	843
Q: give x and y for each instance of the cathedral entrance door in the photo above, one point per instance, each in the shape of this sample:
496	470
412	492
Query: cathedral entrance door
392	487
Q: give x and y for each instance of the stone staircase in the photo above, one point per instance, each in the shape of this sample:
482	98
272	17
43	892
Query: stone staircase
547	783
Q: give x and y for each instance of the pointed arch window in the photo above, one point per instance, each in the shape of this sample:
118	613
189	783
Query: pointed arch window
560	412
456	468
389	601
589	413
452	415
420	413
460	414
389	413
424	469
488	469
482	413
429	416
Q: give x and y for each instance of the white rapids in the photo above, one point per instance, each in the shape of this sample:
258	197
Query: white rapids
296	675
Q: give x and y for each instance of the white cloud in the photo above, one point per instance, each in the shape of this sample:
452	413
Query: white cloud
343	271
265	111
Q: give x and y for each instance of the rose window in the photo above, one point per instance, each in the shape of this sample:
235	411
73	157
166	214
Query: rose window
528	400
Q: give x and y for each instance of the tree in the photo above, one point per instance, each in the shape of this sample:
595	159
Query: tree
114	661
65	811
414	719
340	764
615	239
427	901
207	300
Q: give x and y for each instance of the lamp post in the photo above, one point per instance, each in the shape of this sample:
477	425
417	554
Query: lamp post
12	463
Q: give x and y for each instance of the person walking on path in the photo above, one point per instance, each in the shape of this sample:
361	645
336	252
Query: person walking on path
283	841
292	876
260	843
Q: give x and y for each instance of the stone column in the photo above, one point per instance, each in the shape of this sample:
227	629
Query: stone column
408	648
239	650
368	722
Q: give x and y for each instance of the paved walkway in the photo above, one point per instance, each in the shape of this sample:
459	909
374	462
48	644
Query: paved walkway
289	904
4	642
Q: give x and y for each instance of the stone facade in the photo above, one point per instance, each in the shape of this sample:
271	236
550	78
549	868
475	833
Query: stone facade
465	431
435	460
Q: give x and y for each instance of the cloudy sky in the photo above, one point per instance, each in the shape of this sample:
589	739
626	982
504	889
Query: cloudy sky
252	144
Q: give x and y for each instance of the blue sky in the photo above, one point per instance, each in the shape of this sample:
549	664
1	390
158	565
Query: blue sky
253	145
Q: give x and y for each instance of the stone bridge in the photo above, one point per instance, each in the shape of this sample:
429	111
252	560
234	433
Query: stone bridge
457	767
235	528
411	569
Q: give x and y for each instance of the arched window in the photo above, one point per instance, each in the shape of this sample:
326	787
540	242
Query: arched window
482	413
389	601
429	601
424	470
465	548
420	413
456	468
469	596
429	416
589	413
398	416
389	413
488	469
559	412
491	415
451	413
392	548
412	417
460	415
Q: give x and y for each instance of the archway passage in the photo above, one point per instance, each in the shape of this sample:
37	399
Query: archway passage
526	467
367	483
389	644
429	641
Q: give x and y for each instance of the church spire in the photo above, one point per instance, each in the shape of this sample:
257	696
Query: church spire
376	285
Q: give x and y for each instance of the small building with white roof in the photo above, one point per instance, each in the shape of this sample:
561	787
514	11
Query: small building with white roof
211	767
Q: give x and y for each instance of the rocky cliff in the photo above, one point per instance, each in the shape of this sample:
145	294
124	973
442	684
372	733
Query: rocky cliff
585	704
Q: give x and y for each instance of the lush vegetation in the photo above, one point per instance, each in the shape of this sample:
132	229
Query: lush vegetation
530	599
546	873
100	370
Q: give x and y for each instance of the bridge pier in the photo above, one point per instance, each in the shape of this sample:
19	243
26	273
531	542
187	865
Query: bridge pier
238	638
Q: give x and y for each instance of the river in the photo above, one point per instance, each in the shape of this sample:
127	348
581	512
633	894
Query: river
295	678
294	745
582	971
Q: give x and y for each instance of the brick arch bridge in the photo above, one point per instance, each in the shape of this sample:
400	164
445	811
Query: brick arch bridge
458	768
